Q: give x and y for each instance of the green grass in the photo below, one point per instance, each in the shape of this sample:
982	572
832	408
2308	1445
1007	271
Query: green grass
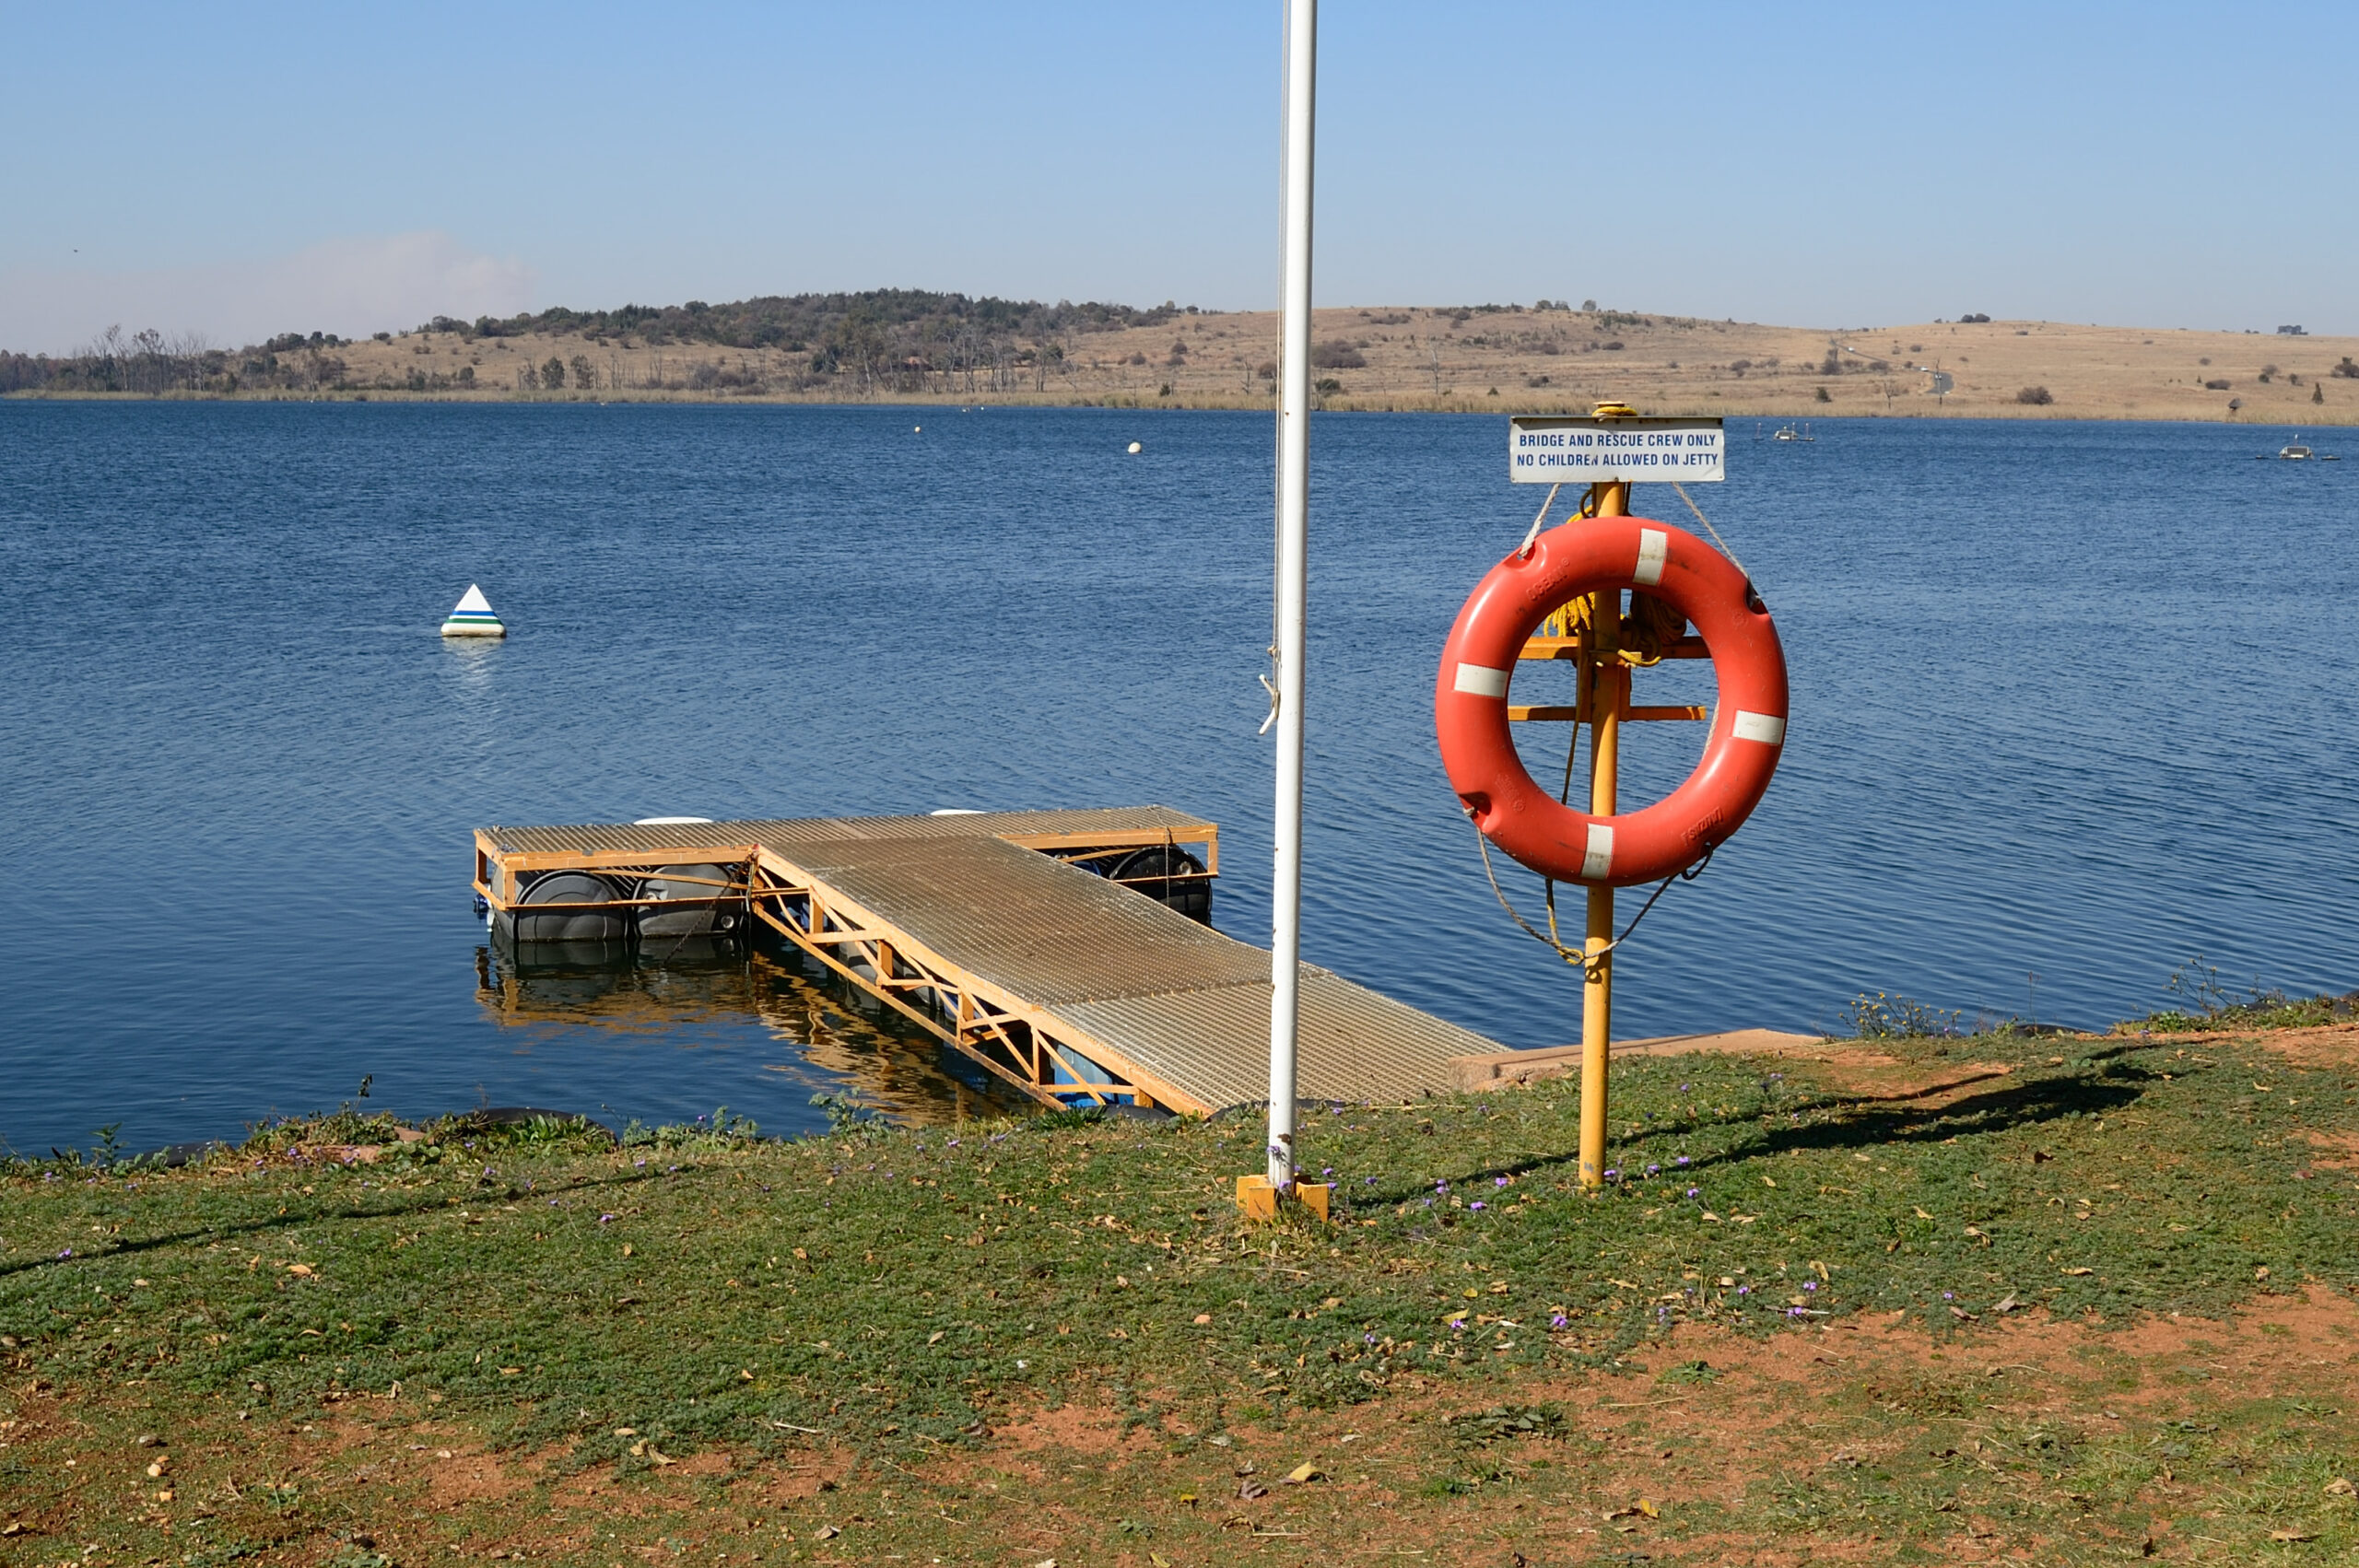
894	1296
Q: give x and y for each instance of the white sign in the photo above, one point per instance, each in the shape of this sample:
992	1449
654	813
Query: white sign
1549	449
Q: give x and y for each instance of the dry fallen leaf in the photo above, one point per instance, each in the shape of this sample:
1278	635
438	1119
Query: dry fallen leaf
1249	1489
659	1456
1306	1471
2341	1487
826	1532
2291	1535
2077	1273
625	1432
303	1269
1203	1317
2006	1303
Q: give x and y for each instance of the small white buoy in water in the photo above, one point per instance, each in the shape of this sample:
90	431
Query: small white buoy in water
473	617
1136	448
917	429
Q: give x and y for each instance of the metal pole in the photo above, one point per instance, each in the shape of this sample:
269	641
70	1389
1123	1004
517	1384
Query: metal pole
1294	508
1609	693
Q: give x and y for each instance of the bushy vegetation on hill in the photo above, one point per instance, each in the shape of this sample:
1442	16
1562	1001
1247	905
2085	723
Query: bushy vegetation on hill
148	363
819	322
879	340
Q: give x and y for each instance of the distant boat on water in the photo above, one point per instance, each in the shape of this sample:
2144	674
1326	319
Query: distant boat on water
1791	432
2296	451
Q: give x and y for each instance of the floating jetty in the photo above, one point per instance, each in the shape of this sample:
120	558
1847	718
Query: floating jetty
1069	954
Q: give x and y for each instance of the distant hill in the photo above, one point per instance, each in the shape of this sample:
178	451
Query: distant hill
874	337
911	345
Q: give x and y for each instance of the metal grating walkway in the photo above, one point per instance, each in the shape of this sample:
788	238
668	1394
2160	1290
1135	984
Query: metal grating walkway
1065	983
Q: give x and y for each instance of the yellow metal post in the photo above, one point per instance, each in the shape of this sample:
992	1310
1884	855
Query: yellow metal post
1609	693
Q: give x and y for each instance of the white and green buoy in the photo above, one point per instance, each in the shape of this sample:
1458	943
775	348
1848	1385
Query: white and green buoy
473	617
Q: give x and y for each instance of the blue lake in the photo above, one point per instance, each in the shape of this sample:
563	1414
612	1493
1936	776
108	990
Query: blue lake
2071	701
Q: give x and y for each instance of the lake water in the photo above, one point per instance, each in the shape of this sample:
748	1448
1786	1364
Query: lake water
2069	700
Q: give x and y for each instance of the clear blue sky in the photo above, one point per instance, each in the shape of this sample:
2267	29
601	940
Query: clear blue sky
222	167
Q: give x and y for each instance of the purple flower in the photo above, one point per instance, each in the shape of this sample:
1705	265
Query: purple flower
1683	1088
1368	1338
605	1219
637	1164
1367	1181
68	1253
1326	1170
952	1144
1611	1174
552	1202
1695	1192
1557	1320
489	1172
1681	1161
1796	1311
1498	1181
1477	1204
1949	1296
1810	1285
1441	1186
1654	1170
1744	1290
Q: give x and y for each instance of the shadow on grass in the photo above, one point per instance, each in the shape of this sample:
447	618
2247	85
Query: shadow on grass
1873	1120
313	1215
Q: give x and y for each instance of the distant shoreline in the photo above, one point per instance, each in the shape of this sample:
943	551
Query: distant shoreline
2334	420
1397	359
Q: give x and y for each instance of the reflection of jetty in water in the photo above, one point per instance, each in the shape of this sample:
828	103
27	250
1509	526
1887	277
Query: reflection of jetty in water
836	1030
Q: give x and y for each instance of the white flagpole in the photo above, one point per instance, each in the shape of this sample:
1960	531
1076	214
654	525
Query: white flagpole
1294	507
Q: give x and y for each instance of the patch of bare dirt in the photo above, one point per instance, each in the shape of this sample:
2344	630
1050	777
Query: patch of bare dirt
2330	1045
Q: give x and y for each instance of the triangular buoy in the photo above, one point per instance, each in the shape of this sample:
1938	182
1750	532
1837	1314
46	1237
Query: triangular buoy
473	617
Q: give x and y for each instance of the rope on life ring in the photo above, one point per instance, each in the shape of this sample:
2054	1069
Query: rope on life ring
1748	726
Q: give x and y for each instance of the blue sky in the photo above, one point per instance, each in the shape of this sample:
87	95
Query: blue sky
241	168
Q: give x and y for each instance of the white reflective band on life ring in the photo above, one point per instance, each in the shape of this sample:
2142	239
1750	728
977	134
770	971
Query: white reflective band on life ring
1597	861
1766	727
1654	546
1481	680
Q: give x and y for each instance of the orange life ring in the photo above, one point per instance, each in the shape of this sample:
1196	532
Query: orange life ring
1748	726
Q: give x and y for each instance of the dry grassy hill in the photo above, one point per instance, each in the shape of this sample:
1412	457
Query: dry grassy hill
1421	358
